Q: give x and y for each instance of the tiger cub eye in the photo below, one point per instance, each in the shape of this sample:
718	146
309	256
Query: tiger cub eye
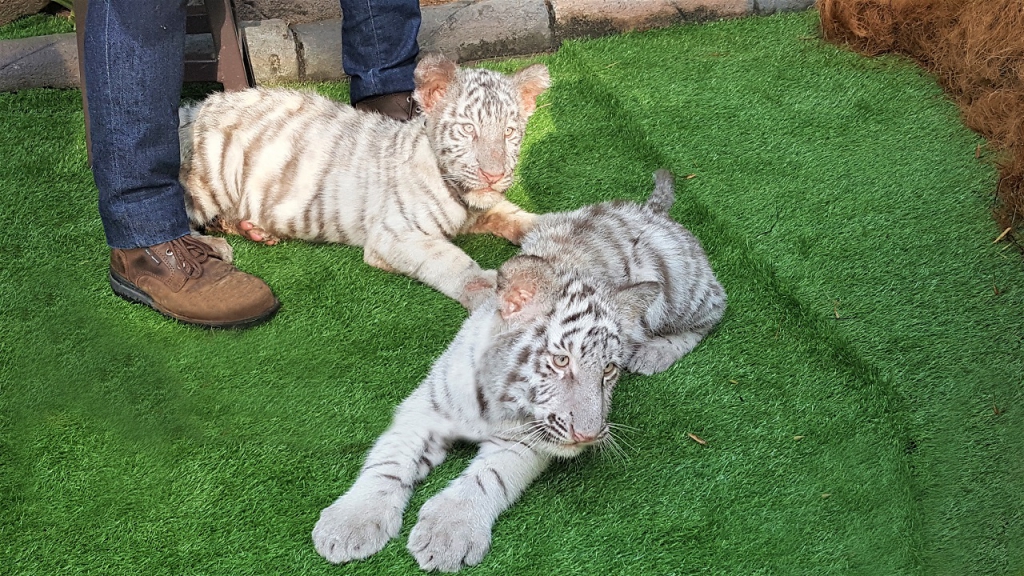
561	360
610	370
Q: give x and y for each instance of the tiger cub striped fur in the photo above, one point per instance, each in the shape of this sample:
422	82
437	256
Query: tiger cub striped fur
626	242
276	163
529	377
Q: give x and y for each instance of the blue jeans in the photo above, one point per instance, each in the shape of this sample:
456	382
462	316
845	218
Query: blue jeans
134	66
378	45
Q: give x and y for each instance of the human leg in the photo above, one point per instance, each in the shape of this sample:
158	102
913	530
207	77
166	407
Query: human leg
134	62
379	50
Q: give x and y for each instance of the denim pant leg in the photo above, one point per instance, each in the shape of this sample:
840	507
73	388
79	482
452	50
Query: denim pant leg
378	45
134	67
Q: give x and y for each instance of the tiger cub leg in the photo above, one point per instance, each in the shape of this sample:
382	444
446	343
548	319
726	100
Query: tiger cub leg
436	262
244	228
506	220
454	527
375	260
657	353
660	352
360	522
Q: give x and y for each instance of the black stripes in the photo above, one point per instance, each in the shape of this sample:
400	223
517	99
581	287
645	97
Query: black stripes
435	404
382	464
424	462
511	379
524	355
501	483
575	316
481	401
556	423
405	485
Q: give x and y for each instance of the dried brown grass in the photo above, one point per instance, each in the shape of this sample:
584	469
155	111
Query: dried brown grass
974	47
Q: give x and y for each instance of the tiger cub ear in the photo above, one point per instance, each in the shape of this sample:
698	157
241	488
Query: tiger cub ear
523	286
433	75
531	82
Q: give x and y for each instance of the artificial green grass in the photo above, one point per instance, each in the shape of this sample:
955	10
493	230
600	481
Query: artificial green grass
846	399
37	25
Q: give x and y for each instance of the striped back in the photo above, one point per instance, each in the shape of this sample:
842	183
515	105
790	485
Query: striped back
304	166
626	242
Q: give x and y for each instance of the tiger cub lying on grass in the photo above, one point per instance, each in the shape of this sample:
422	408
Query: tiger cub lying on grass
275	163
529	377
626	243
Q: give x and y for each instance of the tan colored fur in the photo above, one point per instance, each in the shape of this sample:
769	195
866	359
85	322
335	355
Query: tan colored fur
292	164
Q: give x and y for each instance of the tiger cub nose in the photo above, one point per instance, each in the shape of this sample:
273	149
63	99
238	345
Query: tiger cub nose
583	438
491	177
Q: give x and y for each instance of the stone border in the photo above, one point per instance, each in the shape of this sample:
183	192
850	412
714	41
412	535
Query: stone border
465	30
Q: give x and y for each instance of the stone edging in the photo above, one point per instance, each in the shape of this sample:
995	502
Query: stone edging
465	30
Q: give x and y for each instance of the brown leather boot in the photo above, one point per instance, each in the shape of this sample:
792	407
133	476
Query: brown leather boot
185	280
399	105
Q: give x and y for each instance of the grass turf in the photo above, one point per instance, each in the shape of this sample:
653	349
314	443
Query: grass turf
846	399
36	25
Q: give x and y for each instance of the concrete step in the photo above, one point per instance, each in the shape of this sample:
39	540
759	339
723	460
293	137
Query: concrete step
465	30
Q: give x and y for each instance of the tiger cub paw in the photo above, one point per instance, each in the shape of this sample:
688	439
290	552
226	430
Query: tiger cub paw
449	534
354	528
507	221
478	289
256	234
660	353
377	261
219	246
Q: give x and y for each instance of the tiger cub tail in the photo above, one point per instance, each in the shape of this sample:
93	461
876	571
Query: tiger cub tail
664	194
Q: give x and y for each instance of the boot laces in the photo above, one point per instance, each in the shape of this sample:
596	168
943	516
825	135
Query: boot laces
190	254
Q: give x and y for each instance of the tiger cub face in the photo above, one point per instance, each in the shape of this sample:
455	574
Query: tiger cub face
569	337
475	121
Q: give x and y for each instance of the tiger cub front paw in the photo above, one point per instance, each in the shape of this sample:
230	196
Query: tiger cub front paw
661	352
354	529
478	289
219	246
257	234
450	534
506	220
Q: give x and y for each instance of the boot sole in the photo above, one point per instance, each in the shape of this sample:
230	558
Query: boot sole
130	292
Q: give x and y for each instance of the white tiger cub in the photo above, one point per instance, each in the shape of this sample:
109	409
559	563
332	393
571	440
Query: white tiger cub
529	377
276	163
625	243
